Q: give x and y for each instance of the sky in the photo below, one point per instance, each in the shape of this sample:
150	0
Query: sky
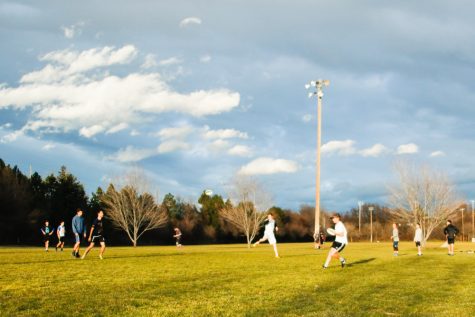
196	92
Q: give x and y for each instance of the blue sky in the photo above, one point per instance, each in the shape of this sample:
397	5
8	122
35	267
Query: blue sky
194	92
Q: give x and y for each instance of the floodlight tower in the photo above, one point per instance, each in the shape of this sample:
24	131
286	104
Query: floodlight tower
371	220
473	222
360	205
318	84
463	226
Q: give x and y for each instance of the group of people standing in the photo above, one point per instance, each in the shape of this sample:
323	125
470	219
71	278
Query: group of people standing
80	232
450	232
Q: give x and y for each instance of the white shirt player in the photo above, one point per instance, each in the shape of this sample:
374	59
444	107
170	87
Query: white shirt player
418	235
340	228
270	226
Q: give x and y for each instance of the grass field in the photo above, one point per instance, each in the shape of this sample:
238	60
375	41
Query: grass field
230	280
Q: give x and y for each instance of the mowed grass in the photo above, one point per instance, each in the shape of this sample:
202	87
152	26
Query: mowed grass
231	280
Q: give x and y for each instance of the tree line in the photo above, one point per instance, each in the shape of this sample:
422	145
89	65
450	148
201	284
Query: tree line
133	213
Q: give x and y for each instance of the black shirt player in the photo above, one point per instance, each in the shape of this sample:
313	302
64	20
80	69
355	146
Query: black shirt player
96	235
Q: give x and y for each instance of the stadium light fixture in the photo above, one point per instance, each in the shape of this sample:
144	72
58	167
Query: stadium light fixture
318	84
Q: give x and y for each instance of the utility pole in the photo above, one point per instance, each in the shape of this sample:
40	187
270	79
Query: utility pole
318	84
371	221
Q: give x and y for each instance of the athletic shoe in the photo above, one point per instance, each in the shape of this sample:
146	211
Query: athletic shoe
343	263
78	255
56	249
100	257
324	267
73	254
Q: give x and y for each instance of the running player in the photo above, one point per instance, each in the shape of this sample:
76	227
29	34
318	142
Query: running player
450	232
269	234
177	236
96	235
79	231
341	240
60	232
395	238
47	231
418	239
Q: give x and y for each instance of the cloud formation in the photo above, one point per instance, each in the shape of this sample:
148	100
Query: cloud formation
409	148
189	21
374	151
73	92
339	147
267	166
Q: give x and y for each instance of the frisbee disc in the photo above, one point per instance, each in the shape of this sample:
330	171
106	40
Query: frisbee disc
331	231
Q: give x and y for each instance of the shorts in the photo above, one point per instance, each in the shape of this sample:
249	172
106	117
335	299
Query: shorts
270	237
451	240
178	240
46	238
396	245
99	238
338	246
78	237
61	239
418	243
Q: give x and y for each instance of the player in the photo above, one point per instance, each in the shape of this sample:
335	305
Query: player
177	236
341	240
79	231
418	239
96	235
47	231
320	241
269	234
395	238
60	232
450	232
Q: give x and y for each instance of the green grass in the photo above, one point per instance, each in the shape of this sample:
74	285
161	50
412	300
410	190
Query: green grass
230	280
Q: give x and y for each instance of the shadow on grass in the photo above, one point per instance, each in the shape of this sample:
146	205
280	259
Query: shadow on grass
363	261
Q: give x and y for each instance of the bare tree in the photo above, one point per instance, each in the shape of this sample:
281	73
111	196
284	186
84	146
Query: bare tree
424	196
131	208
246	212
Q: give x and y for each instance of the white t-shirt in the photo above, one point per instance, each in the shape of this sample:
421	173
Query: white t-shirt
340	228
269	228
418	235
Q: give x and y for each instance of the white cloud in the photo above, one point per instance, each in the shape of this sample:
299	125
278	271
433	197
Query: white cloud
437	154
224	134
174	133
409	148
131	154
240	150
150	62
190	20
134	132
205	58
307	118
48	146
267	165
7	125
172	146
374	151
73	30
91	131
339	147
12	136
66	95
121	126
170	61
